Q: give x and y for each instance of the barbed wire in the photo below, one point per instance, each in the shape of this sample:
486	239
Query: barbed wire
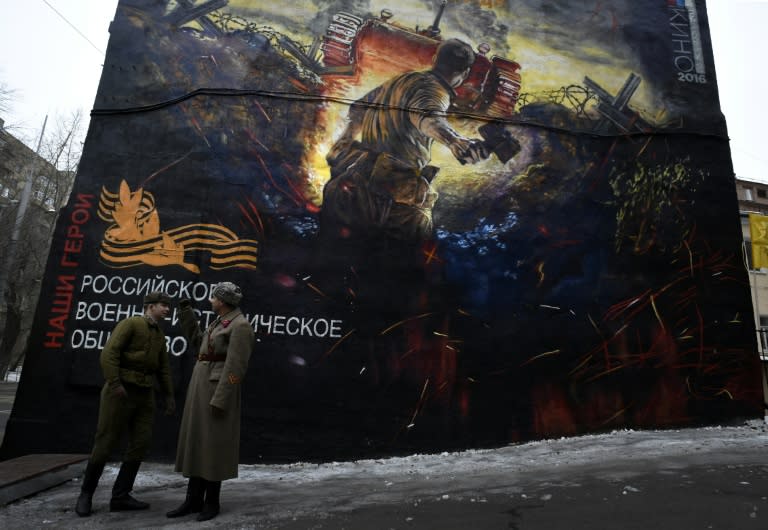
578	99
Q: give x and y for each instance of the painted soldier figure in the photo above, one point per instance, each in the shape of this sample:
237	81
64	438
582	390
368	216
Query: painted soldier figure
377	207
380	177
134	357
208	450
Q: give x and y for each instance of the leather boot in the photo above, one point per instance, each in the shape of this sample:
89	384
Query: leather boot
91	478
121	491
211	504
193	503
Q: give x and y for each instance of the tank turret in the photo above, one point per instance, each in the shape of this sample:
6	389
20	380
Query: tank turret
353	45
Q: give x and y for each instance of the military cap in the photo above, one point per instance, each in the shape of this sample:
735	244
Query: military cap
229	293
157	297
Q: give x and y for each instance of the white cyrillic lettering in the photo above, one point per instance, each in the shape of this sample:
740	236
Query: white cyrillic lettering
278	327
200	291
126	289
124	312
325	329
168	291
96	281
177	346
336	329
184	290
268	323
684	64
112	289
142	286
158	283
288	326
76	340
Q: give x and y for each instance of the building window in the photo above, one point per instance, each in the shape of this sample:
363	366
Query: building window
763	333
748	252
762	194
747	194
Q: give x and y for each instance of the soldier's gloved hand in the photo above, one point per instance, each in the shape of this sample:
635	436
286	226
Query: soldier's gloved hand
170	405
184	303
119	391
475	151
216	412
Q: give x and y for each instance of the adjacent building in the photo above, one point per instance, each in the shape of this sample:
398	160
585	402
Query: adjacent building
31	192
753	198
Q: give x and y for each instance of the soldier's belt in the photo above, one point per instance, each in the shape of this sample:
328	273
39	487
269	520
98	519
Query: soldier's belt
403	183
137	377
211	357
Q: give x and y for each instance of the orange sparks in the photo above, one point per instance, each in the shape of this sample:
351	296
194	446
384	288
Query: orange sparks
604	373
336	345
263	111
539	356
658	316
396	324
621	411
420	403
318	291
246	214
256	212
431	253
581	364
153	175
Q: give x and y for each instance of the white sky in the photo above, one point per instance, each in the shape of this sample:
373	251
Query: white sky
55	70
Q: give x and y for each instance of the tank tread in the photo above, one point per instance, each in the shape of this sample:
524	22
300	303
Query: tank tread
338	43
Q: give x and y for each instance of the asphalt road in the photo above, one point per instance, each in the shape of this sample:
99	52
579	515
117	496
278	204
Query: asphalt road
718	496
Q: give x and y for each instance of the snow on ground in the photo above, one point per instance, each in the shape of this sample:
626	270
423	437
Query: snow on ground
518	458
424	486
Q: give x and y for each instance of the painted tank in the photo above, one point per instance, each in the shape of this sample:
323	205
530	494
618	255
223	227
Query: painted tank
353	45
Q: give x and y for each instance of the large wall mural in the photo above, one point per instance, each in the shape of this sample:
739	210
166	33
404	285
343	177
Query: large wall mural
457	224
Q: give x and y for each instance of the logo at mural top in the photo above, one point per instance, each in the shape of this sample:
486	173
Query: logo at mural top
687	51
134	237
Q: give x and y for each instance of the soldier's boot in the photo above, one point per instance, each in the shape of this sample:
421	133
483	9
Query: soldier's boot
193	503
91	478
211	504
121	491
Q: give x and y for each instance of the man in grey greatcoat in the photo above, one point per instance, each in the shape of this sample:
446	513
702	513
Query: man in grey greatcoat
208	450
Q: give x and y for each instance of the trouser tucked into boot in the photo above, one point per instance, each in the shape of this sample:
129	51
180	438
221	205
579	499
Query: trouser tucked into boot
193	502
211	503
121	491
91	478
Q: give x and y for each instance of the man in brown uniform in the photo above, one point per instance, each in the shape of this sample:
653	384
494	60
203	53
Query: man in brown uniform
381	183
208	451
133	357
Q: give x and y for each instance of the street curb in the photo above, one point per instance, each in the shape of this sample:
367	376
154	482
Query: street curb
30	474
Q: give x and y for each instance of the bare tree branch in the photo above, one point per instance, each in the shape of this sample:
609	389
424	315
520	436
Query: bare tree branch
6	97
48	176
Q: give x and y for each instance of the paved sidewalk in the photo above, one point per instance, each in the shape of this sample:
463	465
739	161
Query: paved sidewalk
691	478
